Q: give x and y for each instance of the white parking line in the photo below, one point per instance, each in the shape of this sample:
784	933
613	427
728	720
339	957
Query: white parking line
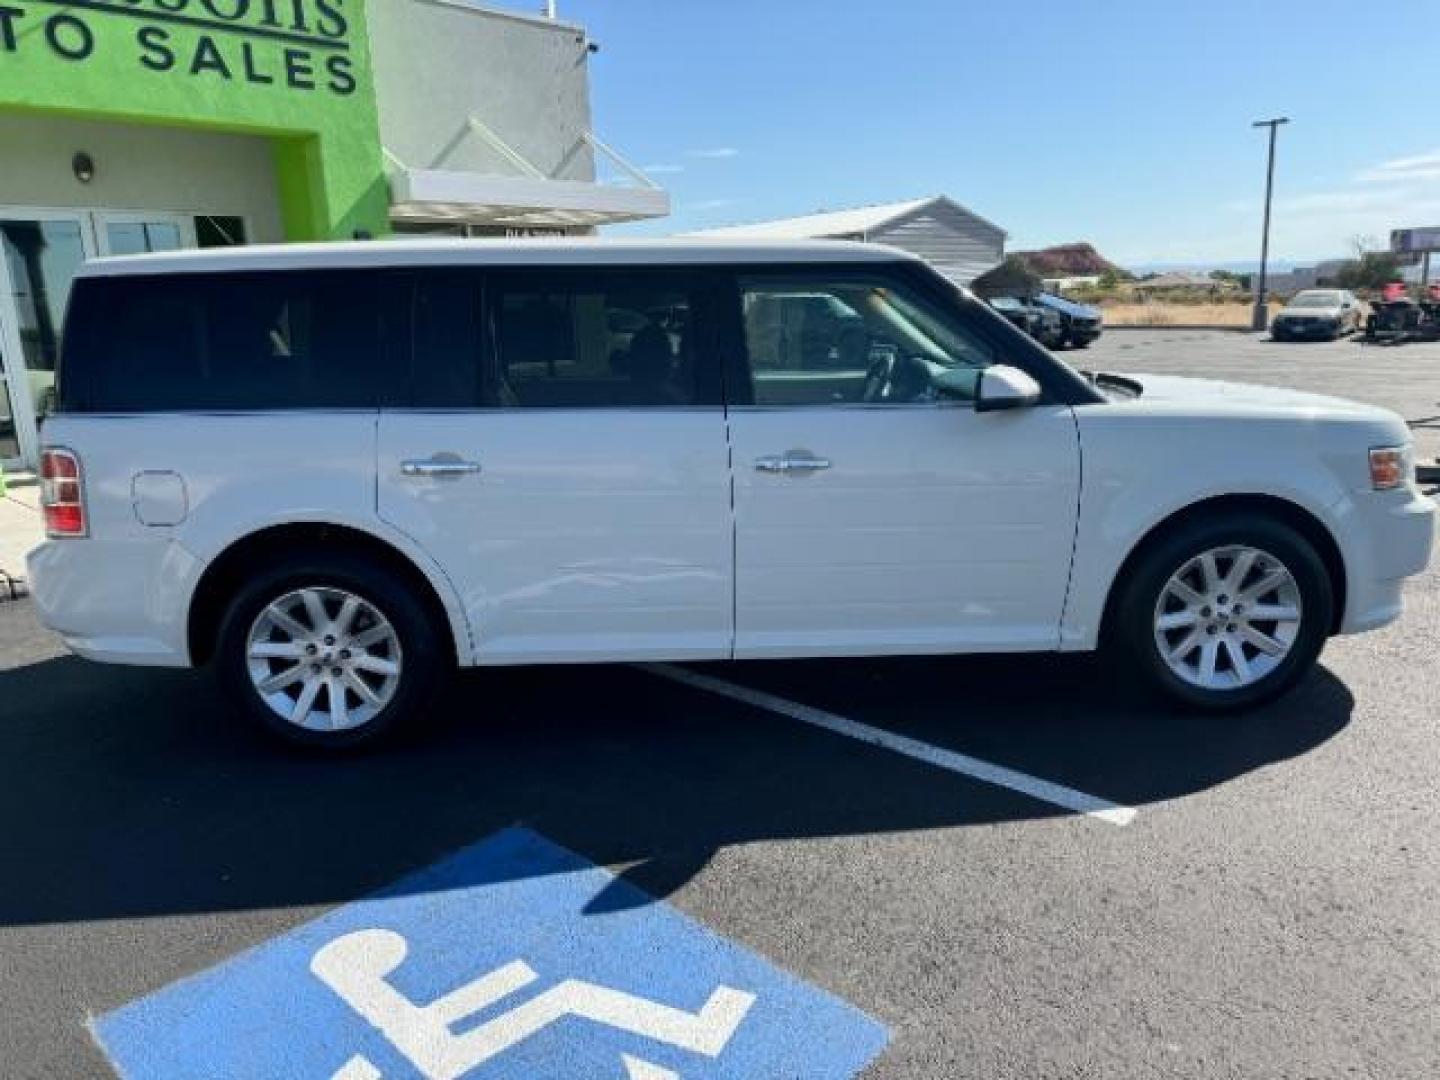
975	768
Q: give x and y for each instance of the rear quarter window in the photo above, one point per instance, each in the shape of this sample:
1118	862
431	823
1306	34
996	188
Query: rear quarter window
229	342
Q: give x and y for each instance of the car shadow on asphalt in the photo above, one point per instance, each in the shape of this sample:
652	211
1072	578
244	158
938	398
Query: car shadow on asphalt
132	793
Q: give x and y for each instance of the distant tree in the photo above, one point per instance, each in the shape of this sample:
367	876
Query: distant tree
1011	278
1109	279
1371	270
1363	244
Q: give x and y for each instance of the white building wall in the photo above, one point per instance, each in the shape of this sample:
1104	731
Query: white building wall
959	245
439	62
139	167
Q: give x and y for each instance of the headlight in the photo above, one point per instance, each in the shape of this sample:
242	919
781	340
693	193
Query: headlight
1391	467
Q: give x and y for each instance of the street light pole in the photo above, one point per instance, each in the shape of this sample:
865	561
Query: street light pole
1258	320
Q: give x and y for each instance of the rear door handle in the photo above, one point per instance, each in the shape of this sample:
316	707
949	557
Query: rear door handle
439	466
784	463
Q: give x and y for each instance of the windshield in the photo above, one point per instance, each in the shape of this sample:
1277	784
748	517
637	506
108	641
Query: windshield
1316	300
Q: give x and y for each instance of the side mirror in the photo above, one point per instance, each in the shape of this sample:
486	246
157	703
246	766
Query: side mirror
1005	387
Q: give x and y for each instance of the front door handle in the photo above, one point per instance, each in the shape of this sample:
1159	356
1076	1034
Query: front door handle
439	465
784	463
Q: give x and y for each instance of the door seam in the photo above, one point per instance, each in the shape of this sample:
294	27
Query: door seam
734	538
1075	533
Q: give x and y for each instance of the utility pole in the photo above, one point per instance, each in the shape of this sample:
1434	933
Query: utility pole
1258	321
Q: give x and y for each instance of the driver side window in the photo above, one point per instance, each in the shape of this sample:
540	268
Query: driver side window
841	340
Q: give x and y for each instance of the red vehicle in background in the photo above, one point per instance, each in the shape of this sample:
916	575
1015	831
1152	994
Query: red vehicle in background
1395	317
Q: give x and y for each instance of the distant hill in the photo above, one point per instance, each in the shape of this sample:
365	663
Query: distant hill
1069	260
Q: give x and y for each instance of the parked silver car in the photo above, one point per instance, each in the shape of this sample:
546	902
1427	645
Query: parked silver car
1318	314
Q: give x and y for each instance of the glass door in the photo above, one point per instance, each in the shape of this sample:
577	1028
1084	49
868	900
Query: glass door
40	251
9	434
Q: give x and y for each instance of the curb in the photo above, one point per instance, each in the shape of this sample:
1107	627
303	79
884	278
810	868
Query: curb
1181	326
12	588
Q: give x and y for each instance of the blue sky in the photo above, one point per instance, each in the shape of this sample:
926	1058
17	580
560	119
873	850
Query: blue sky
1121	122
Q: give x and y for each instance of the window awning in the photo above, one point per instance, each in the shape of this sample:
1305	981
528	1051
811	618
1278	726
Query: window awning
471	198
527	197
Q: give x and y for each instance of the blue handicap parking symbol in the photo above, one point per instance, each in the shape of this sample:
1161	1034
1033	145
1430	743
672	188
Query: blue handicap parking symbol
496	962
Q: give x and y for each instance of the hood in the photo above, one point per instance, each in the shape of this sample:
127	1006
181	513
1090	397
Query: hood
1069	307
1310	312
1178	390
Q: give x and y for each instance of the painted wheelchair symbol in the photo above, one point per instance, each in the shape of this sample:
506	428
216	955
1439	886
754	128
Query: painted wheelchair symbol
356	967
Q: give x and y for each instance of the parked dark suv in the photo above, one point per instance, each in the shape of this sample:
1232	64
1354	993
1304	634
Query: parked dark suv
1041	323
1081	323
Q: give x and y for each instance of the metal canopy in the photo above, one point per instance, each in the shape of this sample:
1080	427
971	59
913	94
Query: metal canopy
527	197
443	195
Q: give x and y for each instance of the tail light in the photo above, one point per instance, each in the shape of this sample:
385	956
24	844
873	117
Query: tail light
62	493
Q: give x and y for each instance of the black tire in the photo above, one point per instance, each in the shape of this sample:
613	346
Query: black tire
1146	576
426	657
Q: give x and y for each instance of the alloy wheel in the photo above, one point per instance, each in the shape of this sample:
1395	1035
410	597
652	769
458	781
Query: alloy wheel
324	659
1228	617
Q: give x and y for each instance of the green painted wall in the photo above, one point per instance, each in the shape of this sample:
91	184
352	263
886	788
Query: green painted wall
297	71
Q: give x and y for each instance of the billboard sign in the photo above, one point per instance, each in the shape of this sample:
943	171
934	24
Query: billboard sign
1415	241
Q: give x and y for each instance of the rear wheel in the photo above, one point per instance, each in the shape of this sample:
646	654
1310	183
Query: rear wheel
1226	614
329	651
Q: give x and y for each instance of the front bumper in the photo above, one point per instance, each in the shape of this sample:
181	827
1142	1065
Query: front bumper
1388	537
1304	330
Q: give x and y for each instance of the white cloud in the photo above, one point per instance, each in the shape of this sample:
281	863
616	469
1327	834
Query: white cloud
1344	200
662	168
1406	176
1405	170
716	153
710	204
1319	223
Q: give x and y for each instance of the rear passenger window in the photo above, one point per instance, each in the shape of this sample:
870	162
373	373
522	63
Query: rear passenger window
446	368
615	339
192	342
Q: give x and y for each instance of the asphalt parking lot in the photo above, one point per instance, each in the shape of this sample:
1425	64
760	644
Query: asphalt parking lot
1003	867
1404	378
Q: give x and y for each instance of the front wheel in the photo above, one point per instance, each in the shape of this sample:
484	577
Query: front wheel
1227	614
329	651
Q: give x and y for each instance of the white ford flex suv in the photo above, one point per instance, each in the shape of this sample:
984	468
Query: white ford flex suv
336	471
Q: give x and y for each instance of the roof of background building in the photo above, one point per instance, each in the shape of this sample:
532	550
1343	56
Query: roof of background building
859	219
1181	280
